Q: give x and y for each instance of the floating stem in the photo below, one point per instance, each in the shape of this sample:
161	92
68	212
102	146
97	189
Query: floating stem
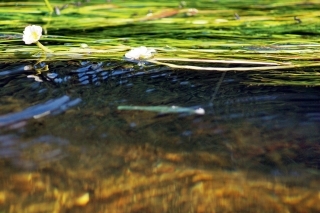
49	6
45	49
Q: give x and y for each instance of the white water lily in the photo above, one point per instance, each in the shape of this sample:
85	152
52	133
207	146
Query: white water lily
140	53
32	34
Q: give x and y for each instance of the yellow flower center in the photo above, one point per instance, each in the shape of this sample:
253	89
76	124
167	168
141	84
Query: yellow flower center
34	35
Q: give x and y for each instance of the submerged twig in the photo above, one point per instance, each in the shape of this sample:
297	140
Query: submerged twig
217	88
164	109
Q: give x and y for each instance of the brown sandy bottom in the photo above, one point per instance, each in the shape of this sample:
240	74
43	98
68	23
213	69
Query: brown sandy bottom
141	178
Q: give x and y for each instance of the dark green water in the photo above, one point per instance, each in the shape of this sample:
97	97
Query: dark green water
269	133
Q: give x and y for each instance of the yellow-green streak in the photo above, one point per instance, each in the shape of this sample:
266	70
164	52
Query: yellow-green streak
45	49
49	6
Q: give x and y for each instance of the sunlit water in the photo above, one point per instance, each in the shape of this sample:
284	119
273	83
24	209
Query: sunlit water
256	148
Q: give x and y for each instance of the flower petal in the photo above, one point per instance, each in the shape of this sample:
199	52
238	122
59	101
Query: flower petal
139	53
32	34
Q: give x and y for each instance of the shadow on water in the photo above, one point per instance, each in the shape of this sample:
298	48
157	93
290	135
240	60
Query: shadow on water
65	139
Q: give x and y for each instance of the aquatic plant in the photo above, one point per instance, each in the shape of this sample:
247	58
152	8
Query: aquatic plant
50	8
32	34
230	36
140	53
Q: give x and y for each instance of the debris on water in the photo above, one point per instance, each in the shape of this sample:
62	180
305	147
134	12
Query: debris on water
165	109
53	106
35	77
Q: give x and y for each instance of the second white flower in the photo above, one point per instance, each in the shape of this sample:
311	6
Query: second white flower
139	53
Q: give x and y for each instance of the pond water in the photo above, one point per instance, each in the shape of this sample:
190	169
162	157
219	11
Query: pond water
66	147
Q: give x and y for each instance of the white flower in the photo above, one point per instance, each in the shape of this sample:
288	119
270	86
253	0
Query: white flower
139	53
32	34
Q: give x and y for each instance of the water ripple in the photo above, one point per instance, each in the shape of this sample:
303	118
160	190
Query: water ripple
53	106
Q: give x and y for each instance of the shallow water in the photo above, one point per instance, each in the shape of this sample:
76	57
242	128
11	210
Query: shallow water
65	147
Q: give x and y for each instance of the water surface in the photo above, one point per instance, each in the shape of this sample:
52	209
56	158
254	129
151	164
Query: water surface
65	147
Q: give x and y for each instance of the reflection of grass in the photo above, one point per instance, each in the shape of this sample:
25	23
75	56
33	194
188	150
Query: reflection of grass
263	32
297	78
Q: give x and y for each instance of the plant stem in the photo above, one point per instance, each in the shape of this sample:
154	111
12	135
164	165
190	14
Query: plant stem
49	6
45	49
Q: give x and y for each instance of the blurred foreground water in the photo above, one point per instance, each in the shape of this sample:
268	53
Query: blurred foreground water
65	147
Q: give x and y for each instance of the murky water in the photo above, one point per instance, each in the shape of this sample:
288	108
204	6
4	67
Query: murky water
65	147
